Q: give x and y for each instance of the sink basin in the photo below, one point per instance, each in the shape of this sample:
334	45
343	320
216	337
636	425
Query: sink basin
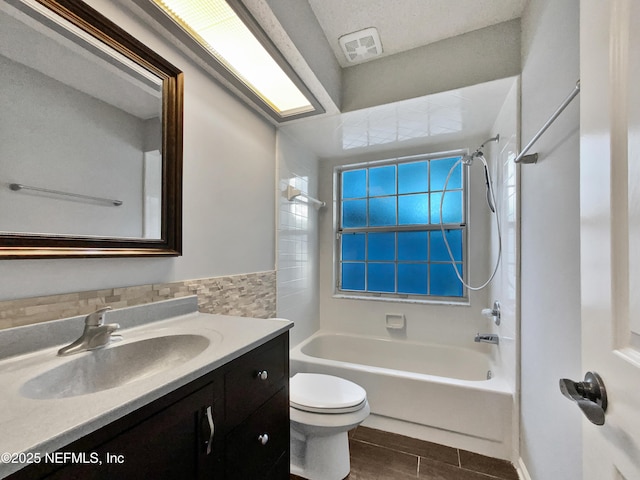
114	366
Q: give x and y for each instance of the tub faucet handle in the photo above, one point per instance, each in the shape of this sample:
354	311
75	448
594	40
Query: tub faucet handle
493	313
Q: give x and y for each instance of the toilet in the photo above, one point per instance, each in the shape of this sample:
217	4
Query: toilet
323	408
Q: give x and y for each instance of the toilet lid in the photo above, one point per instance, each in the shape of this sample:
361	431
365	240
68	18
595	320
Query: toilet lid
315	392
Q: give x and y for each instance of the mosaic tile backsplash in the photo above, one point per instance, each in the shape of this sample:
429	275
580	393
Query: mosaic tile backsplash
246	295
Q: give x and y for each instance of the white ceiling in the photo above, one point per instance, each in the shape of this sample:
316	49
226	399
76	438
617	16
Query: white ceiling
407	24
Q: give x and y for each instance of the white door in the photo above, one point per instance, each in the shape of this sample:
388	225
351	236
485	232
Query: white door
610	230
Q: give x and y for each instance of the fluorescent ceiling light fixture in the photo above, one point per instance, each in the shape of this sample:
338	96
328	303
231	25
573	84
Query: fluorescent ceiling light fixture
217	27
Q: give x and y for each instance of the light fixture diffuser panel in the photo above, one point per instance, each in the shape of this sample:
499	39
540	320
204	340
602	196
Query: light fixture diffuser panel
218	28
361	45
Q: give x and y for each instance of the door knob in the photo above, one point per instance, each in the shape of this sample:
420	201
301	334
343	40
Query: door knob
590	395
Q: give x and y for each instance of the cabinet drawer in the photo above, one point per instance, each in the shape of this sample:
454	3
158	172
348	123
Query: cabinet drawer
246	389
250	458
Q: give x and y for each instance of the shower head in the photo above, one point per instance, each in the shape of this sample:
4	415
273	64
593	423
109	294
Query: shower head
468	161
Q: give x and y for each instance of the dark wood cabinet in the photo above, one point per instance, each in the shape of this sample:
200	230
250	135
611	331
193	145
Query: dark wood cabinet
254	447
247	401
256	406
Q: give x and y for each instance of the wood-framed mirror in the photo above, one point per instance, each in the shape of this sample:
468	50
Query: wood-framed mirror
90	137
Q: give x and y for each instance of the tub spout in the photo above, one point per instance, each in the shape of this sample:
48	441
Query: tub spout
487	338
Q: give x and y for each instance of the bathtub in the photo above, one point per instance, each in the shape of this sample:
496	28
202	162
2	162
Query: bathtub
435	392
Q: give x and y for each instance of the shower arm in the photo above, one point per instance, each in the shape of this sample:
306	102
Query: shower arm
492	139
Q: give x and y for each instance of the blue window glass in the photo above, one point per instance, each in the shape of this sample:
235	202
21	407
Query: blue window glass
444	282
439	249
391	242
382	181
381	277
439	171
413	177
412	278
451	207
412	246
353	276
353	246
354	213
413	209
382	211
354	184
382	246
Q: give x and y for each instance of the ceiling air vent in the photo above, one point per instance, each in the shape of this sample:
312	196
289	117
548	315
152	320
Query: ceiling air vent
361	45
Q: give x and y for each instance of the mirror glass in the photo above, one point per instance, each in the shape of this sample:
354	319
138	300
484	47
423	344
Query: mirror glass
89	136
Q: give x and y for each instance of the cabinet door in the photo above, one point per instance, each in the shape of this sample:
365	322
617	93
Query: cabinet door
254	448
169	445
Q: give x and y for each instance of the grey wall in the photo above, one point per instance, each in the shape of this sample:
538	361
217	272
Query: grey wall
476	57
228	194
550	444
55	137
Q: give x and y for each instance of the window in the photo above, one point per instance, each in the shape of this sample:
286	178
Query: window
389	240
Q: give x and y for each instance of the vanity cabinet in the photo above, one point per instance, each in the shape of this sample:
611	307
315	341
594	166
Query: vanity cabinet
248	402
257	414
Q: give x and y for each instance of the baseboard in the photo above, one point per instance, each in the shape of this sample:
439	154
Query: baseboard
522	470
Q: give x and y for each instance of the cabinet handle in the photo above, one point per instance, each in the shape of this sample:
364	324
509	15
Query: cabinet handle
263	439
263	375
212	429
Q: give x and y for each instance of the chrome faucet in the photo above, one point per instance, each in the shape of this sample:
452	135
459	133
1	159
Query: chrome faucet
95	335
487	338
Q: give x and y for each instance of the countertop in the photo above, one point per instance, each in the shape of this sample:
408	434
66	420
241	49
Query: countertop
40	426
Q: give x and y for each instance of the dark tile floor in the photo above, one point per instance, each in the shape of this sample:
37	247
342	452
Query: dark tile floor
378	455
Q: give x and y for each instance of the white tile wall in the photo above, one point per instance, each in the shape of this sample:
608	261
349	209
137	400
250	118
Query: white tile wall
297	238
504	288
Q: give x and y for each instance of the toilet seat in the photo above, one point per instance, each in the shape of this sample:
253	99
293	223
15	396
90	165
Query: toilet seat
319	393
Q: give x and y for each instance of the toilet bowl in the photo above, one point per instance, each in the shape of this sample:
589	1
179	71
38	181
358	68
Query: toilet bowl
323	408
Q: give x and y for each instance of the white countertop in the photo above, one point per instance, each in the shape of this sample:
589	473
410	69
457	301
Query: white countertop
46	425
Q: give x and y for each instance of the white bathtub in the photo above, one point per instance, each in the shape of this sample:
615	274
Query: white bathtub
434	392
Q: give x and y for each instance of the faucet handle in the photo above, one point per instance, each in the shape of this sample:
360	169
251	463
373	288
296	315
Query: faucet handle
96	318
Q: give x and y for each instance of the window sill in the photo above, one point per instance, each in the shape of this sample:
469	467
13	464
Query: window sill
463	302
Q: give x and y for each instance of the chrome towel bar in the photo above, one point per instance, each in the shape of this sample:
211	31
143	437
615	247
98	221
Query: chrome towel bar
533	158
294	192
18	186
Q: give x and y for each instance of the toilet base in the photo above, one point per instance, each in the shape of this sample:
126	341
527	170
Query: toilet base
320	457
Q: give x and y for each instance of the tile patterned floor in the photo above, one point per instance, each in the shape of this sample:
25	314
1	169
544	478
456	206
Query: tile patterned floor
378	455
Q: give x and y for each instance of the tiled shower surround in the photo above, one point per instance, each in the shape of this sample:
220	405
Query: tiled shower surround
247	295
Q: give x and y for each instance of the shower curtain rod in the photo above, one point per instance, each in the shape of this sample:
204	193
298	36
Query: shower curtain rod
533	158
294	192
